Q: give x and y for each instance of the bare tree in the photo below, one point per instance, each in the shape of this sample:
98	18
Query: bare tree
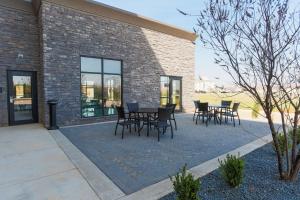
257	44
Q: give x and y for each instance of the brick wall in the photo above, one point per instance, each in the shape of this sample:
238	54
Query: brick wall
18	35
146	54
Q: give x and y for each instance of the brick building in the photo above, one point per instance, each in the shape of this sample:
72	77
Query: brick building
90	57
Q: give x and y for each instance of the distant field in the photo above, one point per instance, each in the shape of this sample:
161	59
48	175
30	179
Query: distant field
216	98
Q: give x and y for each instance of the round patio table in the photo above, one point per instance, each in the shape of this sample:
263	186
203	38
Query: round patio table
218	109
149	112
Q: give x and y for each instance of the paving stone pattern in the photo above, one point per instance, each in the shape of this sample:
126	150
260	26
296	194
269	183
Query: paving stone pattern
136	162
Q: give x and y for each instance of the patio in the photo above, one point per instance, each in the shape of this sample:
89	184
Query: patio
137	162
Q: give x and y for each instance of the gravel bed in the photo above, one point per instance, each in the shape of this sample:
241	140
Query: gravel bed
260	182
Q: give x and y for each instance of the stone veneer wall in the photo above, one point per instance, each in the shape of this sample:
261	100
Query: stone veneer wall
146	54
18	34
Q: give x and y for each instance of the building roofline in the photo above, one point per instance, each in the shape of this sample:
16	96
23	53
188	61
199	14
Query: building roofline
17	4
100	9
107	11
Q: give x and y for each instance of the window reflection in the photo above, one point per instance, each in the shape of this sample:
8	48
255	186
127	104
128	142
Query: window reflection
170	91
98	99
112	93
164	90
22	98
91	87
112	66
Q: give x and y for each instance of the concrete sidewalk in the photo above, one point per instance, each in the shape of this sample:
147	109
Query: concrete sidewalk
32	166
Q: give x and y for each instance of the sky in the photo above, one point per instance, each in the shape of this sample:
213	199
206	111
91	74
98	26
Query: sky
166	12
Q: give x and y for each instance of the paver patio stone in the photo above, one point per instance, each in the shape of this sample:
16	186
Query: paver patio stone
137	162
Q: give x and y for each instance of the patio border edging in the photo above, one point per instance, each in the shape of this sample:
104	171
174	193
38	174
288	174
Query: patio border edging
98	181
164	187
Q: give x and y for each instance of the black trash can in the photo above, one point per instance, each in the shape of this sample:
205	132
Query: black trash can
52	114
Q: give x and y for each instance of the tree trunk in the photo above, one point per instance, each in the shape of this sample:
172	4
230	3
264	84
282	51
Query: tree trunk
295	170
275	140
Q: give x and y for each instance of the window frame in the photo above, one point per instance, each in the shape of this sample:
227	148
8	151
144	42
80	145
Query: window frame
102	82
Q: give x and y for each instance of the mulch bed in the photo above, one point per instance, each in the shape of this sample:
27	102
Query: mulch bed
261	181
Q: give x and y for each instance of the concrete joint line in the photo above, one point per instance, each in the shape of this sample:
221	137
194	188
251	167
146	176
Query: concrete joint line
35	179
98	181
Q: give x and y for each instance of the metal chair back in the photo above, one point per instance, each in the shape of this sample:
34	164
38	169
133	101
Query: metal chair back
203	107
172	107
133	107
226	103
121	113
196	104
164	114
235	107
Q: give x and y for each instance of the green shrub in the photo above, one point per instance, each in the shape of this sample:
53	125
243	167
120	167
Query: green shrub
232	170
185	185
281	143
297	135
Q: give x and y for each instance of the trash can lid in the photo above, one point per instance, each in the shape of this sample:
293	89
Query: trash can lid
52	101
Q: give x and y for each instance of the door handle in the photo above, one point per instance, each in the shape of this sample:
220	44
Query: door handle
11	99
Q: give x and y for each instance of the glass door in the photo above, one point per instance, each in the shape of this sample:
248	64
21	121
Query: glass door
22	101
175	94
170	91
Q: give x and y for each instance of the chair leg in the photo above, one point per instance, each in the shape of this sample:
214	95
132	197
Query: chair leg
130	128
171	131
194	116
197	119
138	129
239	118
123	132
233	121
116	129
175	123
148	127
158	134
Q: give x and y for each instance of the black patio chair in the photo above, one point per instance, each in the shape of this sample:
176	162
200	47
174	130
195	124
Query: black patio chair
133	114
124	121
233	112
226	103
172	107
204	112
225	108
132	110
196	109
162	121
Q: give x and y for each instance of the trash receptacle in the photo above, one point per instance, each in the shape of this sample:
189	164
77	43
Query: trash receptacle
52	114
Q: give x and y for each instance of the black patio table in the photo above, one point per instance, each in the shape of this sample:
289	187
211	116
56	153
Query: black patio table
149	112
218	109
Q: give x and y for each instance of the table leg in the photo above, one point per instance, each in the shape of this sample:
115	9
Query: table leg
148	124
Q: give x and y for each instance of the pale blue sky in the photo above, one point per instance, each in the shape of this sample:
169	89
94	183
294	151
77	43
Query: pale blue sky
165	11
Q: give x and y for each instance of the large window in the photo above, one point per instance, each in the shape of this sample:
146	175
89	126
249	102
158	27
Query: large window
101	86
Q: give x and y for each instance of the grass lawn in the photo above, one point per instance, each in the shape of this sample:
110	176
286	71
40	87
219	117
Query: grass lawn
215	98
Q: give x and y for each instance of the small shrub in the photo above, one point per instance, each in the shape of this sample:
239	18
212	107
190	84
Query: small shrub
232	170
297	135
185	185
281	143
